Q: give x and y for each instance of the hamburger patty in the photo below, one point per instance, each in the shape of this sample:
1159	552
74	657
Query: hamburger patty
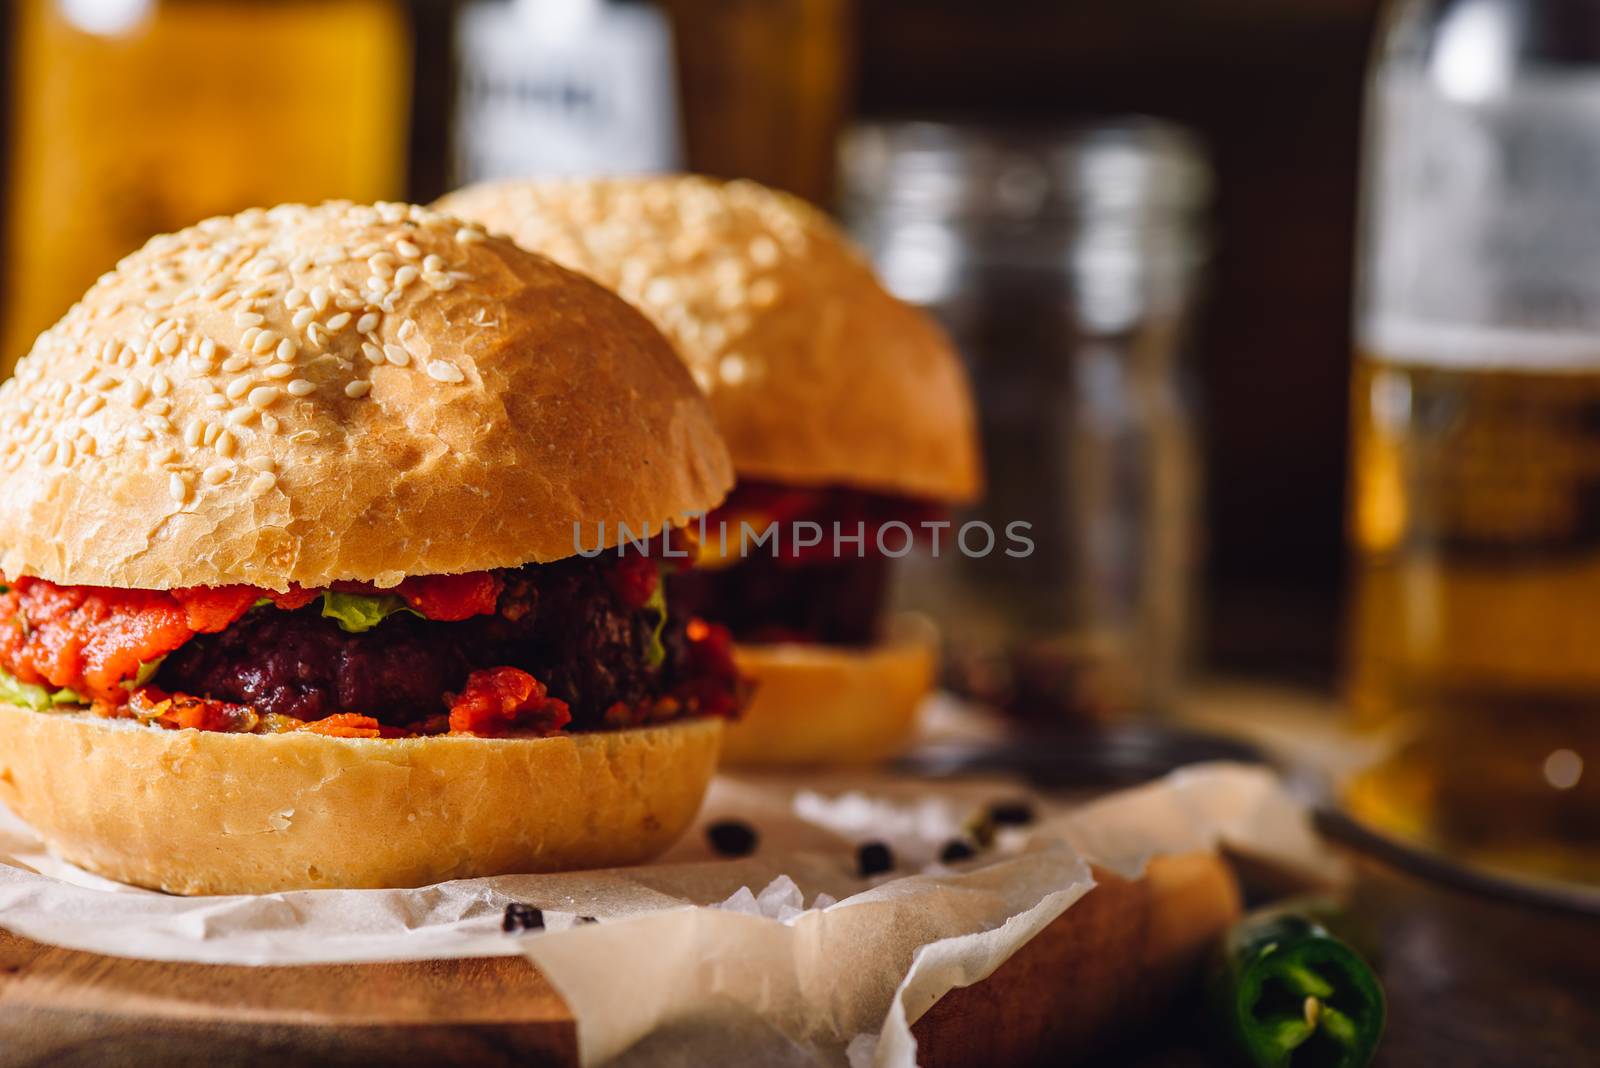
763	599
566	623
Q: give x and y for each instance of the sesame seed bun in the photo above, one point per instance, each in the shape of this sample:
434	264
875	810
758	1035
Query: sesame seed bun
202	812
816	373
304	395
825	705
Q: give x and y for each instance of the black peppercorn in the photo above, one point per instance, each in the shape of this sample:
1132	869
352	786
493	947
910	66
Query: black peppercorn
1011	813
521	917
874	858
732	838
956	850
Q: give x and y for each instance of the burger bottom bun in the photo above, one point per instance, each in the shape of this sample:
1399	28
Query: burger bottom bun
818	704
203	812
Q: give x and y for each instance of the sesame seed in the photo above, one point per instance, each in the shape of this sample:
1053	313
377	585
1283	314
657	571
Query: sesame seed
136	393
467	235
382	264
407	328
159	385
367	323
294	298
372	352
269	423
89	406
407	249
213	432
179	488
262	483
264	396
439	282
263	342
216	401
302	317
357	389
226	443
248	338
208	350
212	287
406	275
440	371
261	463
216	474
300	388
247	318
280	370
287	349
165	456
238	388
397	355
235	364
241	416
338	322
319	298
433	263
192	432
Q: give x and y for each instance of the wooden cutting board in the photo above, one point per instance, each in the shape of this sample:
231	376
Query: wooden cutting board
1112	959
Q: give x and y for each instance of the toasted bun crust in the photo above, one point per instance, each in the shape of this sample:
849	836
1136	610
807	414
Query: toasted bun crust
198	812
817	705
425	400
817	375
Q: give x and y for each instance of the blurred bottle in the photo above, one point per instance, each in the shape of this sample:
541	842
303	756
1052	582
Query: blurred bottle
564	87
1064	263
766	88
1476	432
133	117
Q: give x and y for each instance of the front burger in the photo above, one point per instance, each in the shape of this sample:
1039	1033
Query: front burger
847	413
292	594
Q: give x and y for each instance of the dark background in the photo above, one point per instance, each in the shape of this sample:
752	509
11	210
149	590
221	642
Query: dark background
1274	88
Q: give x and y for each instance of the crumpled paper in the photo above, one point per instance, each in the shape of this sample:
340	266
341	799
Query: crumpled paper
787	954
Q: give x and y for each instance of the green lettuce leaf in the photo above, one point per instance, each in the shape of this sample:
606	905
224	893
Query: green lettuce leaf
147	671
357	613
655	653
26	694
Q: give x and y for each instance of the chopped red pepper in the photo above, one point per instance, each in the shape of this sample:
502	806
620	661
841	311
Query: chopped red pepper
86	638
634	579
450	598
180	711
346	725
714	686
502	699
213	609
297	597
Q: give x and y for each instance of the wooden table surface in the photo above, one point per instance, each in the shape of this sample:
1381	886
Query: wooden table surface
1472	982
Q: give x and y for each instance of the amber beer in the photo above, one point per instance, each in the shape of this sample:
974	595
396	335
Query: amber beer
1475	638
129	118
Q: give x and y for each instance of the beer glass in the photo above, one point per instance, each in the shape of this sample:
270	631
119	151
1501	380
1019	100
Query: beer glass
1475	498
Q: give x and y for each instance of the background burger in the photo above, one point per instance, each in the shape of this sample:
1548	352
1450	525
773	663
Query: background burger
839	403
291	594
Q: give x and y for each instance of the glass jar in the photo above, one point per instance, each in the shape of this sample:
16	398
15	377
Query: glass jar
1064	263
1475	497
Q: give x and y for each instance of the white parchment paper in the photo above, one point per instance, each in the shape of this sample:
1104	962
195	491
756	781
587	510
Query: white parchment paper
698	959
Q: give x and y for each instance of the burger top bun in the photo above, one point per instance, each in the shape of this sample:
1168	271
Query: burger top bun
309	394
817	375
